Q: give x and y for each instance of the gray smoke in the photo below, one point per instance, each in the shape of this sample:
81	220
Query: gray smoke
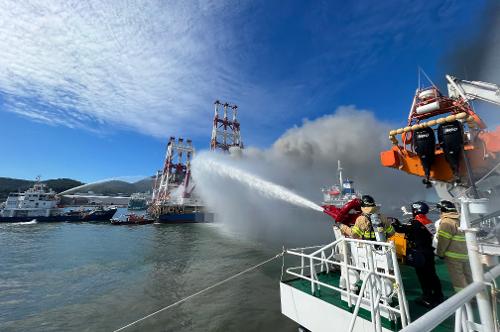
304	159
476	56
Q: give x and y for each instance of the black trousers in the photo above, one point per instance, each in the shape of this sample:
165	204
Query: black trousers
429	281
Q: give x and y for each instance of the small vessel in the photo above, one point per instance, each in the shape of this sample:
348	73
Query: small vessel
132	219
40	203
138	201
339	194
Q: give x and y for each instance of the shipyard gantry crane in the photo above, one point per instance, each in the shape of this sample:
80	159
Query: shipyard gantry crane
464	151
176	170
226	128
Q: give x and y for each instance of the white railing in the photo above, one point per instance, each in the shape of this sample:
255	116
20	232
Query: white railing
460	306
373	294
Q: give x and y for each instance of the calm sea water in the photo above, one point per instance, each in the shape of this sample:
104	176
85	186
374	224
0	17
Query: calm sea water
99	277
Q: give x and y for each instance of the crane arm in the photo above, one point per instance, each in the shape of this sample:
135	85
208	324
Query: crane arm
470	90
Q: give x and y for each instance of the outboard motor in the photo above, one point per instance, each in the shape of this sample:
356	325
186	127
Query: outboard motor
424	142
451	139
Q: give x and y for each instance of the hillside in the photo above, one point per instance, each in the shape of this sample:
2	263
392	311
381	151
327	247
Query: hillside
114	187
8	185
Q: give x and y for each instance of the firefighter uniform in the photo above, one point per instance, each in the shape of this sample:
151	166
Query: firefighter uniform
363	228
419	237
452	247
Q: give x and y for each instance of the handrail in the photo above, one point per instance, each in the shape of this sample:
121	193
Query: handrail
446	309
311	262
339	264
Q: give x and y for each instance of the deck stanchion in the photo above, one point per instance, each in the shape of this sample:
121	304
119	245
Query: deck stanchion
346	271
482	297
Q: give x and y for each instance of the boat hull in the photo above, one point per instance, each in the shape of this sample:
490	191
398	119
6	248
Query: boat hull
105	215
186	218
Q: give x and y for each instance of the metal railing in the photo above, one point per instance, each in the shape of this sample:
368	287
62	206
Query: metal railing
372	292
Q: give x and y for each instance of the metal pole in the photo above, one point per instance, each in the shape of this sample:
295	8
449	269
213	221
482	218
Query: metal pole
346	271
311	269
405	316
483	301
469	174
458	320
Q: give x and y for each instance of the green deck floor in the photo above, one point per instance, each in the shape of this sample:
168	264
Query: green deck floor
412	290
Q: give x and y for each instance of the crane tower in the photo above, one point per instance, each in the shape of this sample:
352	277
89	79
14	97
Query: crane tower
176	169
226	128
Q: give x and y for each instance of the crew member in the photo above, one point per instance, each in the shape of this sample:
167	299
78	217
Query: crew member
363	227
451	246
419	235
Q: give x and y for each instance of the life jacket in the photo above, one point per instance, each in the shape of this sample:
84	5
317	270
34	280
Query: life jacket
422	218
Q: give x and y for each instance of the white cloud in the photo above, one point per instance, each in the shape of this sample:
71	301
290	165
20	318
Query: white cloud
146	66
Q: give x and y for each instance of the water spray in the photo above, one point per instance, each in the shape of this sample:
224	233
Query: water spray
254	182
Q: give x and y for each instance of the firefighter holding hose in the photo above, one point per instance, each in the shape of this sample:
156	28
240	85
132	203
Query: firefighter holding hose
368	222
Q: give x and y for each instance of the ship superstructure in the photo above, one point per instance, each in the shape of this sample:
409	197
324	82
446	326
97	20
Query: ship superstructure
139	201
341	193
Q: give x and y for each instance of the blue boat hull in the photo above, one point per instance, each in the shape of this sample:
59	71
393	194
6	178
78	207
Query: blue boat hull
185	218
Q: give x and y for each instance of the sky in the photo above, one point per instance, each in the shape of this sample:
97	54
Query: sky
93	89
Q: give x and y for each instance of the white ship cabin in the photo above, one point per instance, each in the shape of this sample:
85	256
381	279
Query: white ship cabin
339	195
36	201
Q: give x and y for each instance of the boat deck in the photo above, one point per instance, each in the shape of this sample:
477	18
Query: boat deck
412	290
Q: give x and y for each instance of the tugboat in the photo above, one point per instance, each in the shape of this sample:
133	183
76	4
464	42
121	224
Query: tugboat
40	203
132	219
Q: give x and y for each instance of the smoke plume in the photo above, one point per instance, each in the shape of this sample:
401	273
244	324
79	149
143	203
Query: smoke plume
304	159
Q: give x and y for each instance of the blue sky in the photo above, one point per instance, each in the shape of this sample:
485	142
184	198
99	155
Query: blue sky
92	90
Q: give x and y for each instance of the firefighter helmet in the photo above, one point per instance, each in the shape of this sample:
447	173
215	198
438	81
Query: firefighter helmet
419	208
367	200
446	206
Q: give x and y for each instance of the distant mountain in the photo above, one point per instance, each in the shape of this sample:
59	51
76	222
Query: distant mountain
8	185
115	187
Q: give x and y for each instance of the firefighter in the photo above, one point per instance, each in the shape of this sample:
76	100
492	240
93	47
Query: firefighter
451	246
364	226
419	234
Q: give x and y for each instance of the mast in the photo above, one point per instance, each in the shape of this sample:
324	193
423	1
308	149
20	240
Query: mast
339	170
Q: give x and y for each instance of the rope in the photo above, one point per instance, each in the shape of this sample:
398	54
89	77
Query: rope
201	291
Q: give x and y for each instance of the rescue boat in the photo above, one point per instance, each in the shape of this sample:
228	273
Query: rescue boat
445	139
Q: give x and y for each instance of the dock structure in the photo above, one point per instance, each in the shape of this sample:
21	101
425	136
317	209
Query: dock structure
226	128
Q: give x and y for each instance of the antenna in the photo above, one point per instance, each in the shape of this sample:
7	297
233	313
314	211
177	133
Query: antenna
339	170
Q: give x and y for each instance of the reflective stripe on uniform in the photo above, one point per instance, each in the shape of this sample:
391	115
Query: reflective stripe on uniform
460	238
357	231
444	234
389	229
455	255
